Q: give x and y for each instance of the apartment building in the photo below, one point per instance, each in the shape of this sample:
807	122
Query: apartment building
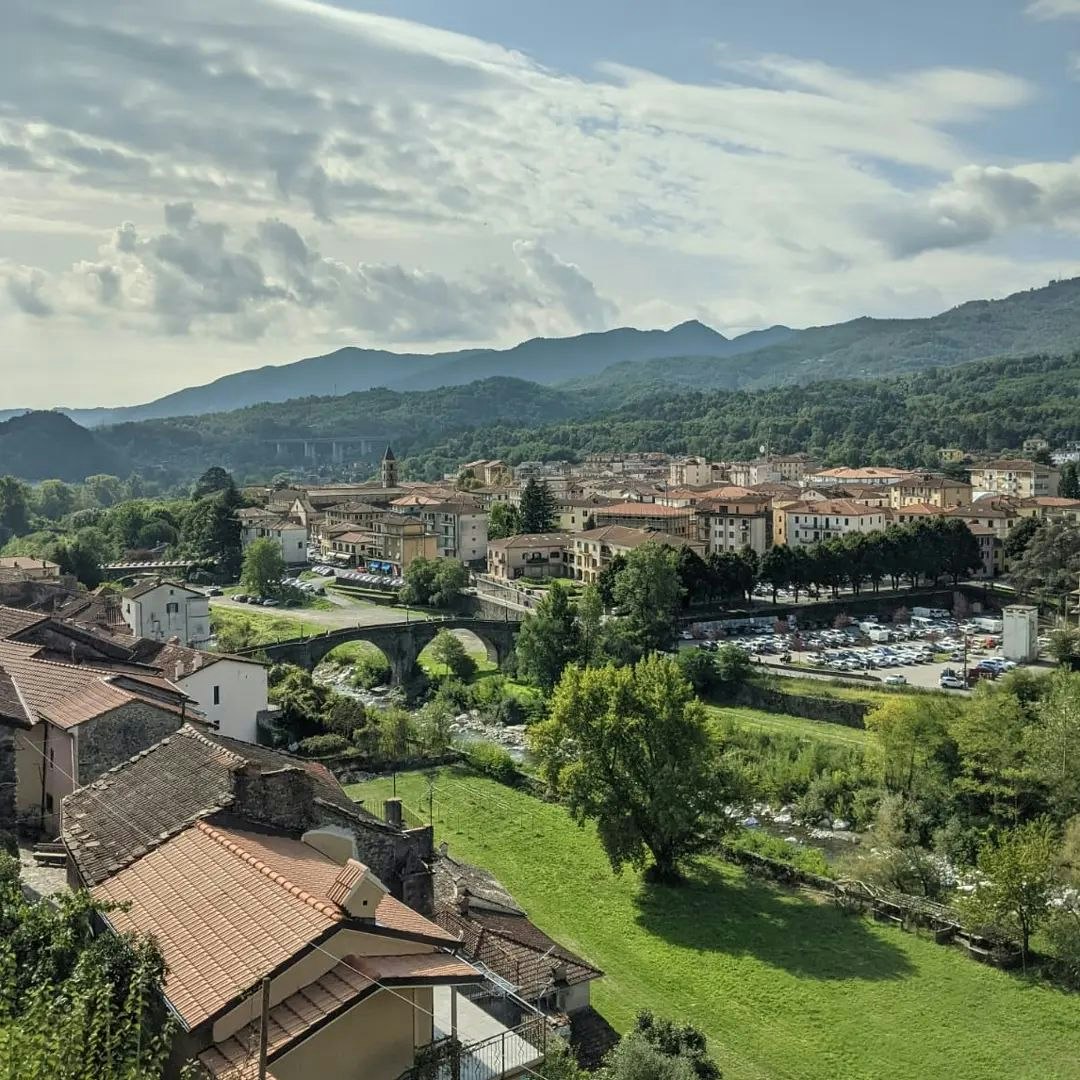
674	520
393	541
1018	477
594	549
870	474
772	469
800	524
290	537
696	472
929	488
460	526
535	556
730	525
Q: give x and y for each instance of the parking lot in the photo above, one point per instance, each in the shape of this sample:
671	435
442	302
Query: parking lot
925	652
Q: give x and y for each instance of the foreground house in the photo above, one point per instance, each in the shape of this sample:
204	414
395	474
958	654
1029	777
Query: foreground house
71	722
249	865
161	609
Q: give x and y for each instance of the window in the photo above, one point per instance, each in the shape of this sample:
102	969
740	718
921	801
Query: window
52	757
48	802
172	609
217	695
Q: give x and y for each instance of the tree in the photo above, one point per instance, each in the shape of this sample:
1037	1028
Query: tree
912	738
648	594
434	582
590	624
1021	875
1064	645
103	490
1069	484
76	1005
14	508
1049	567
214	480
778	568
1020	535
54	499
682	1041
605	580
447	649
657	1049
263	567
960	554
537	507
694	577
548	640
503	520
211	532
79	559
1053	742
630	749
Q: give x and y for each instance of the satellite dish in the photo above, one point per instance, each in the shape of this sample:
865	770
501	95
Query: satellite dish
762	448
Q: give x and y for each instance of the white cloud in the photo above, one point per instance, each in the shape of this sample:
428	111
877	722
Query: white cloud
201	277
387	146
1054	9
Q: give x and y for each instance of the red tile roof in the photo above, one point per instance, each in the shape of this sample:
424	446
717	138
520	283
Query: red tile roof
642	509
14	620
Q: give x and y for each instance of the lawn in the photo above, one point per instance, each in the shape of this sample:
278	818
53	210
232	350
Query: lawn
783	986
267	628
871	694
783	724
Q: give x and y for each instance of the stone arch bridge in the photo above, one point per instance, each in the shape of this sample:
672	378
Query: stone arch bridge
400	642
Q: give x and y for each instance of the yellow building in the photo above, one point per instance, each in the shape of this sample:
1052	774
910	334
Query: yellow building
535	556
929	488
594	549
395	539
800	524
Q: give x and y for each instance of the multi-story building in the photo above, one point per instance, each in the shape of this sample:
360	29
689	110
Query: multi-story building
1018	477
460	526
290	537
388	543
931	488
870	474
594	549
674	520
696	472
730	525
160	609
800	524
573	514
536	556
772	469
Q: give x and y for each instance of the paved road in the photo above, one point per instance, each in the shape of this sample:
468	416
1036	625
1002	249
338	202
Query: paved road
925	675
349	612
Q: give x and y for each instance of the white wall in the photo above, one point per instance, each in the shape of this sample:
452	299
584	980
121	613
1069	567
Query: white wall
149	615
241	695
292	541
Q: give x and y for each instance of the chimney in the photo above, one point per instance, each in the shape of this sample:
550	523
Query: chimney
393	812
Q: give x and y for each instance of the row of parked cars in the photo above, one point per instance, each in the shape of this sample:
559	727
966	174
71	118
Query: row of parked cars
360	577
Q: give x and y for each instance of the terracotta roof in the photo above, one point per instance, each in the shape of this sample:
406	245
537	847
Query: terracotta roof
178	661
12	707
162	790
642	509
70	694
531	540
624	536
222	917
868	472
14	620
1011	465
832	507
334	992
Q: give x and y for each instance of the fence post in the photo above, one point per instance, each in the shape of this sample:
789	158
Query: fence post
503	1072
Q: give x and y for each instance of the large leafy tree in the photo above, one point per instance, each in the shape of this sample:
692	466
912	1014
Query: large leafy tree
263	567
648	593
629	748
1069	484
548	640
1049	567
214	480
537	507
211	531
1020	876
1020	535
14	508
54	499
503	520
778	568
434	582
1053	742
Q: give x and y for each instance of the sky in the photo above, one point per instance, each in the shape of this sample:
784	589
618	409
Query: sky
194	187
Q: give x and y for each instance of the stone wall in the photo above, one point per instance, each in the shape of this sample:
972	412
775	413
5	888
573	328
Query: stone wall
120	734
828	710
8	814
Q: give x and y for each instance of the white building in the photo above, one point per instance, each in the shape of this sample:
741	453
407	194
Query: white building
460	527
230	691
1020	633
799	524
290	536
160	609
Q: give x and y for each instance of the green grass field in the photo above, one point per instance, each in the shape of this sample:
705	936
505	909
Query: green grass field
267	628
785	987
783	724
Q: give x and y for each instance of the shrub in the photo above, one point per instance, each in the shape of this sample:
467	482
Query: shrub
808	859
494	761
320	745
371	671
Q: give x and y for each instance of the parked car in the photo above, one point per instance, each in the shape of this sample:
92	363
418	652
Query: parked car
951	682
213	591
895	680
241	598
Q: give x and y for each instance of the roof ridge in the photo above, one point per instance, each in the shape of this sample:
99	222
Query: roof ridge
330	910
190	732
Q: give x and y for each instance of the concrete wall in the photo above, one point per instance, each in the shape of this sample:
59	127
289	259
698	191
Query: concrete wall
828	710
111	739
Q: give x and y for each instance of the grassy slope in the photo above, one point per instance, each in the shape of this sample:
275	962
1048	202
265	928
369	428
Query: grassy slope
783	724
783	986
268	628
